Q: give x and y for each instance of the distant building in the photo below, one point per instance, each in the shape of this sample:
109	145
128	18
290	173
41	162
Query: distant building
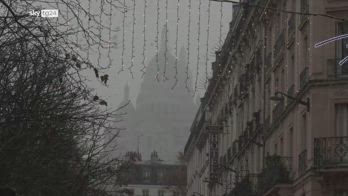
164	110
152	178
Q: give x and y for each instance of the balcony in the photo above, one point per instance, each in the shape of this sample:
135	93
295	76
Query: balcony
278	48
302	162
245	185
304	77
278	110
276	172
291	92
331	152
291	30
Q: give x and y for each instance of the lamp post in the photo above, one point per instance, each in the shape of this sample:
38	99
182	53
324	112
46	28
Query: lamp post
279	96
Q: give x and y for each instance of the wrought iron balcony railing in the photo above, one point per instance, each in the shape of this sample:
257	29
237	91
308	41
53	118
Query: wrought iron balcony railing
277	171
302	162
304	77
291	29
278	109
245	186
291	92
278	47
331	152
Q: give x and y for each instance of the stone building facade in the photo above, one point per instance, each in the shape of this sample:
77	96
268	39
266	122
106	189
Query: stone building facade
274	119
152	177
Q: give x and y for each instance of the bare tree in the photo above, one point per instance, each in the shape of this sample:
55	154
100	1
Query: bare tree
51	125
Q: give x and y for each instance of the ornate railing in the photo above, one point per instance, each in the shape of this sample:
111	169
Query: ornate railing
291	28
291	92
302	162
278	109
277	171
278	47
331	152
304	77
246	185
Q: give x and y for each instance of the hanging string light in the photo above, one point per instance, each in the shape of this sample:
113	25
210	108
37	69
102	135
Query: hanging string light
133	47
198	42
89	28
110	27
77	33
188	48
100	31
123	35
176	43
220	30
166	44
157	41
207	49
144	40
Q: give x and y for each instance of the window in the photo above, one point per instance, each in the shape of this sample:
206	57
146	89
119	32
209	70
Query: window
342	48
160	192
146	192
342	119
146	173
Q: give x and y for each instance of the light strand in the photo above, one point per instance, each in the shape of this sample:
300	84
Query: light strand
207	50
176	43
133	47
198	42
100	31
123	36
166	44
144	40
110	27
188	48
157	41
220	30
89	28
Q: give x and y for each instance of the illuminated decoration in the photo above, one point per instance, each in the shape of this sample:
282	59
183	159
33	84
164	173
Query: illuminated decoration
123	35
333	39
157	40
144	40
176	43
220	30
207	50
133	47
188	47
89	27
166	47
109	41
100	31
198	42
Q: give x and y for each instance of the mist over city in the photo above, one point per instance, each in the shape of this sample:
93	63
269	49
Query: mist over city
174	98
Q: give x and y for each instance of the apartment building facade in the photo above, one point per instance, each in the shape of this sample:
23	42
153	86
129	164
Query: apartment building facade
274	118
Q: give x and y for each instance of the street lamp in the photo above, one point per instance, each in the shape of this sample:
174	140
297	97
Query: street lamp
279	96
